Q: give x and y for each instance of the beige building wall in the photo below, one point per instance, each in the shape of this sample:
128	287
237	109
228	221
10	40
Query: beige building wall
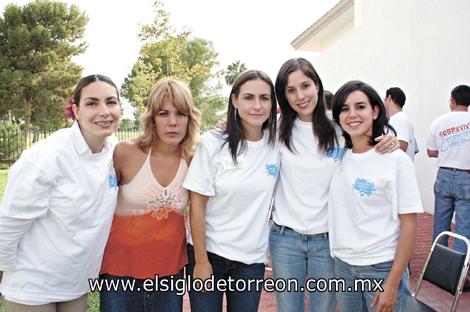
421	46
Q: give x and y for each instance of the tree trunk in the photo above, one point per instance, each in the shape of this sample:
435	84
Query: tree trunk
27	121
35	135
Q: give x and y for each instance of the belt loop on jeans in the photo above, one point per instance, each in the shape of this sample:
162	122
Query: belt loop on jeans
282	229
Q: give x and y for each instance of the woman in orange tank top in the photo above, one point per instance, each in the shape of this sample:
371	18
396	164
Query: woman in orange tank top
146	249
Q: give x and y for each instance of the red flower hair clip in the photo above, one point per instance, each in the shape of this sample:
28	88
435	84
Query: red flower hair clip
68	108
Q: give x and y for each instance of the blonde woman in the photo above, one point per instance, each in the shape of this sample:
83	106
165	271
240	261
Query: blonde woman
148	235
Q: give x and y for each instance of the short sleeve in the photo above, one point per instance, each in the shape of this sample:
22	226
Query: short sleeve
402	129
201	173
408	196
431	143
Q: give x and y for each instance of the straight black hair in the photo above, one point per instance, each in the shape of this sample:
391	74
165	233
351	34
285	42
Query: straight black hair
323	129
85	81
380	125
236	138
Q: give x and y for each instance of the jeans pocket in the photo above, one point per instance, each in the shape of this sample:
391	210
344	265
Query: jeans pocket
275	229
463	191
382	266
441	186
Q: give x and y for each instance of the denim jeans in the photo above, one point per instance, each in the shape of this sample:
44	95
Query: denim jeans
302	257
359	300
140	300
222	268
452	194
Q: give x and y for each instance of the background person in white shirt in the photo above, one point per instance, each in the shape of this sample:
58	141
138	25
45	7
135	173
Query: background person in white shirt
372	208
58	206
328	101
394	101
311	148
449	142
231	179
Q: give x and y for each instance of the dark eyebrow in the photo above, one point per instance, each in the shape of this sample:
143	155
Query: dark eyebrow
301	83
97	99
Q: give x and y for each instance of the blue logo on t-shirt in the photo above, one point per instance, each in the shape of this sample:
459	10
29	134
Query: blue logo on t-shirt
272	170
335	153
112	181
364	187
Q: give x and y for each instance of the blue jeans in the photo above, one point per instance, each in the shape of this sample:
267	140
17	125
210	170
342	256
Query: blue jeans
140	300
302	257
359	300
222	268
452	194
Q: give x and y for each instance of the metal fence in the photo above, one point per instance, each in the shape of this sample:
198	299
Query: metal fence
14	141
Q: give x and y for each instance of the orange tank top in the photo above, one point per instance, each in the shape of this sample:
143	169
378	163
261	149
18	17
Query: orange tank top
148	234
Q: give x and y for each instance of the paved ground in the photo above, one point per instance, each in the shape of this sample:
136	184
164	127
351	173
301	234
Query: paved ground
433	296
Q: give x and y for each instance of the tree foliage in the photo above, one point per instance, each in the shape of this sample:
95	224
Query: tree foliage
232	72
37	42
166	52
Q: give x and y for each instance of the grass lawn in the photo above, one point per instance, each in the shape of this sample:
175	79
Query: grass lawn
3	181
93	298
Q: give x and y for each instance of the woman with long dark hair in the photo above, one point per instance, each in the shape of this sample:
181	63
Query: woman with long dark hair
231	179
311	148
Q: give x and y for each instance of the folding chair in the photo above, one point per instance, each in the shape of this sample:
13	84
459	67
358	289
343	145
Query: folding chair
444	268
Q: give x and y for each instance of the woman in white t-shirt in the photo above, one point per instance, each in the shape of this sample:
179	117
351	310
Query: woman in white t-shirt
311	148
231	179
373	203
58	206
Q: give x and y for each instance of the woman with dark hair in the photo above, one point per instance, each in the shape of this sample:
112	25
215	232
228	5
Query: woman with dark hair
311	148
373	203
58	206
148	234
231	179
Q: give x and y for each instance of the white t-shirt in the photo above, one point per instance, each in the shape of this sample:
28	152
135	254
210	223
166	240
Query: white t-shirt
367	192
450	136
55	219
239	196
301	199
405	132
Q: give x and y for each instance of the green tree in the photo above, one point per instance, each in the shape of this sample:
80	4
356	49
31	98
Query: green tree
232	72
126	124
37	42
166	52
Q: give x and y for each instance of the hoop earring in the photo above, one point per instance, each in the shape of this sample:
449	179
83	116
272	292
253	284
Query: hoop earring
236	113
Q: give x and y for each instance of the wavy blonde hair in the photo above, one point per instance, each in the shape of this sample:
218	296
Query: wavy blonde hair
179	94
